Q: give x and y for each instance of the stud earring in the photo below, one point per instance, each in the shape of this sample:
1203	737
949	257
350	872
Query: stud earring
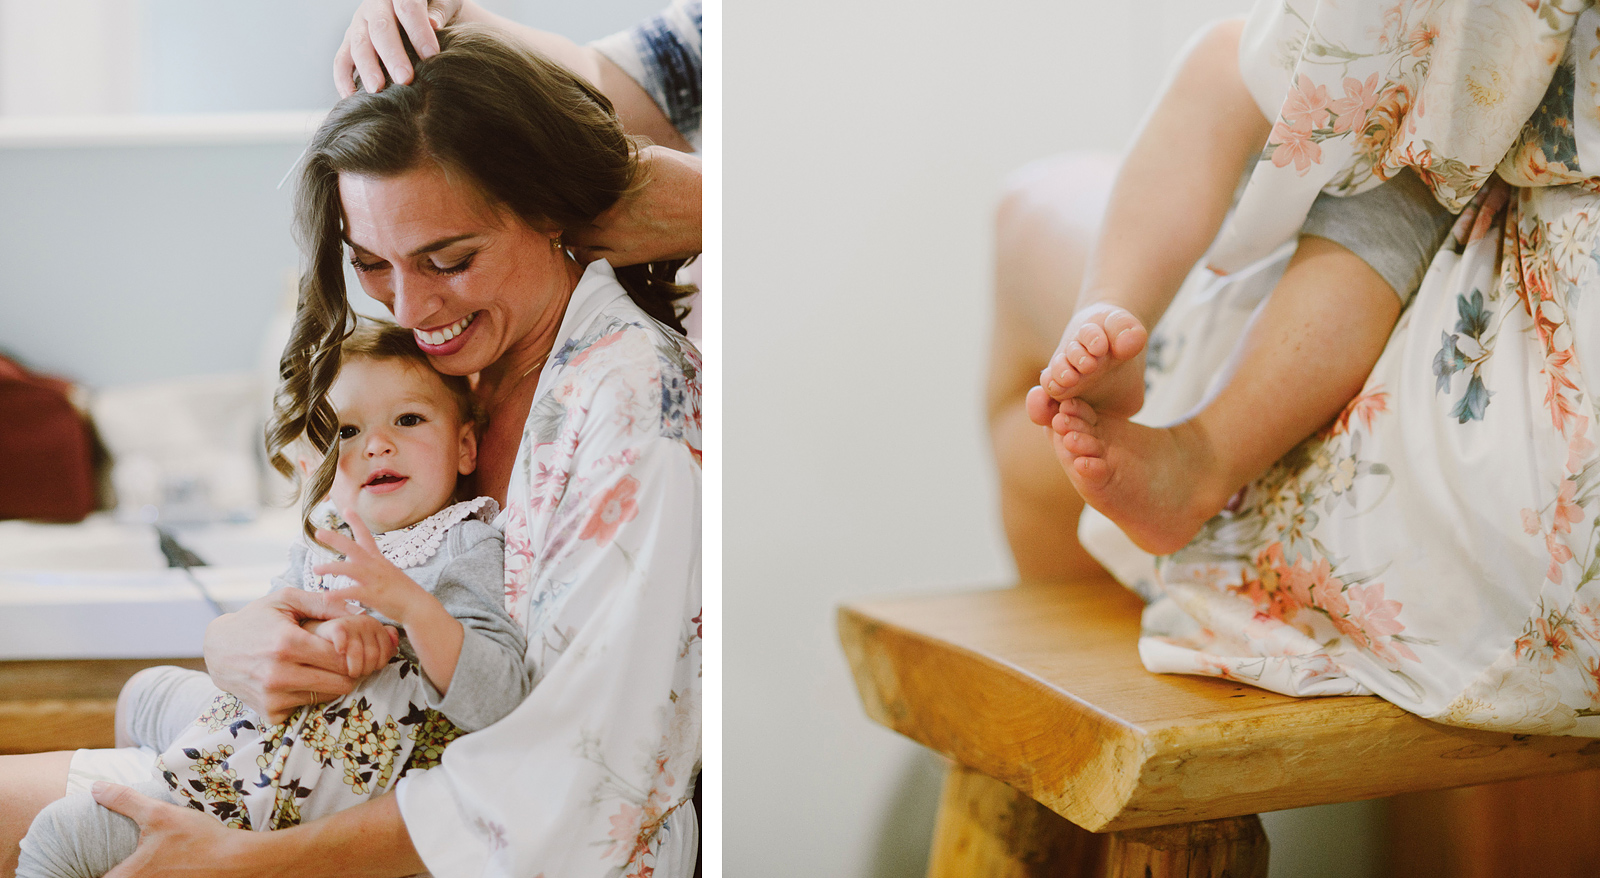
555	243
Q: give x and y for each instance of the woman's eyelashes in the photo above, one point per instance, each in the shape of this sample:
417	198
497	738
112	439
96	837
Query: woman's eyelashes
364	267
454	268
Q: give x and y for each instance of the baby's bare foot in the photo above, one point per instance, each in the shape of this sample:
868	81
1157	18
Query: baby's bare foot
1100	360
1159	484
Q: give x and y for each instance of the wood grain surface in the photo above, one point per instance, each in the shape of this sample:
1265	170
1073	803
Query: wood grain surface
65	705
1040	686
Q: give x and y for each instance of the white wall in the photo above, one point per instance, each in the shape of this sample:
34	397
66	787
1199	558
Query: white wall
866	142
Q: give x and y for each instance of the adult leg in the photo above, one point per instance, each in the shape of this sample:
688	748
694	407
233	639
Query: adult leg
27	784
1044	230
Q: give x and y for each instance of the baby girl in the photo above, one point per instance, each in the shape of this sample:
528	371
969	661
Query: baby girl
418	561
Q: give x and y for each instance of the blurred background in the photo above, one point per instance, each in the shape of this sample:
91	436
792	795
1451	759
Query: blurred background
149	261
867	143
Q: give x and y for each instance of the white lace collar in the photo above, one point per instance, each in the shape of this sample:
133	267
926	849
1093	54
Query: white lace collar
413	546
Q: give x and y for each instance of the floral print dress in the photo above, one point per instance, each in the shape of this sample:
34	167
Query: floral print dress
252	774
1438	544
592	774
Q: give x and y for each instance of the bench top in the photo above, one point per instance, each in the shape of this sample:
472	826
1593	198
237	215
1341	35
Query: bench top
1040	686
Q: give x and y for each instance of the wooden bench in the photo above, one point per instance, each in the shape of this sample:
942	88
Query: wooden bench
1037	695
65	705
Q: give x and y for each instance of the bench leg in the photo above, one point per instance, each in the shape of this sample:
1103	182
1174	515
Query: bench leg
1542	826
1234	847
989	830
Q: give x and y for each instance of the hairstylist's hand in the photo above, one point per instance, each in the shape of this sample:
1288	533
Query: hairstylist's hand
372	44
660	220
174	840
262	655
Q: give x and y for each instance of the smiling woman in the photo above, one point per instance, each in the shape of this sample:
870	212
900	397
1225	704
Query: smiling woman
453	194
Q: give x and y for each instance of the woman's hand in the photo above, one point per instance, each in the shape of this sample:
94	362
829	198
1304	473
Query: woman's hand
379	584
262	655
366	644
660	220
372	44
174	840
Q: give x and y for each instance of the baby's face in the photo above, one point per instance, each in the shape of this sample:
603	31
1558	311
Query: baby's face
402	442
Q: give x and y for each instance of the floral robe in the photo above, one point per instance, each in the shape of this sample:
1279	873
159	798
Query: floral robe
1438	543
592	775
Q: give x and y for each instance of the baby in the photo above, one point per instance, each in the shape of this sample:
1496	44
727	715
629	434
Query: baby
433	569
1306	355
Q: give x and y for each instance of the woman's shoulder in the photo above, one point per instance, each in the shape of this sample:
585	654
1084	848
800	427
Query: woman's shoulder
621	371
621	340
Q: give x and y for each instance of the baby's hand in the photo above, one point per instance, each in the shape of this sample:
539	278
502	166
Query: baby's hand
366	644
379	584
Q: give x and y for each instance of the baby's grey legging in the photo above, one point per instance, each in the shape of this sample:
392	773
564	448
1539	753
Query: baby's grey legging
74	837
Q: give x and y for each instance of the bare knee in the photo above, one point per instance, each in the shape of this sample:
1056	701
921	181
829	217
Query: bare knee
27	784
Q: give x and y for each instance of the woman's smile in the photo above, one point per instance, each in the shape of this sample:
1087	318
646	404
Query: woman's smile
442	342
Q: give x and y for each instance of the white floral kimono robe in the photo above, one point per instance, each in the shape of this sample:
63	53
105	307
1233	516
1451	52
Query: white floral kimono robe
1438	544
592	775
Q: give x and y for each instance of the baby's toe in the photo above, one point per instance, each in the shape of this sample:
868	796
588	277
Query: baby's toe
1082	359
1093	472
1041	408
1077	408
1127	334
1083	444
1092	337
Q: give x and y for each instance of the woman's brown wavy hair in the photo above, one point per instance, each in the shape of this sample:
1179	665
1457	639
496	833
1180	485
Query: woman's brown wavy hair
532	136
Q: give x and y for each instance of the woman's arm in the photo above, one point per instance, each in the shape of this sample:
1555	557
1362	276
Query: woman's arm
263	656
372	46
367	840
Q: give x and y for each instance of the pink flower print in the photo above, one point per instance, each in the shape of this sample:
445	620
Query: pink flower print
602	342
1422	40
1568	513
1579	449
548	483
1359	97
1530	522
624	829
1307	105
1366	406
518	557
1559	554
1294	144
1545	644
1372	622
1327	590
1379	615
611	510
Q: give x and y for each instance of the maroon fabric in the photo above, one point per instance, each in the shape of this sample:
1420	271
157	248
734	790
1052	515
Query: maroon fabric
46	450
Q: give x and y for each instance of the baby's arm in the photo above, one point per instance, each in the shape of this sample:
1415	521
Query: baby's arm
491	676
380	585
